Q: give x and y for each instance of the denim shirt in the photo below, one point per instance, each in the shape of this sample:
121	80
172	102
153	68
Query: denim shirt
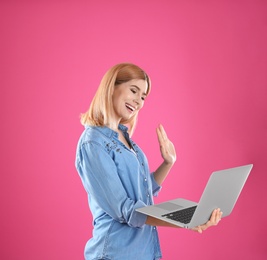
118	181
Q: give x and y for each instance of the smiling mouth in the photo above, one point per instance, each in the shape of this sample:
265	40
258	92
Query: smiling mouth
131	108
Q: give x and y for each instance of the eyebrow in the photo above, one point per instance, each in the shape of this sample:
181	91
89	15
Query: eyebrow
139	89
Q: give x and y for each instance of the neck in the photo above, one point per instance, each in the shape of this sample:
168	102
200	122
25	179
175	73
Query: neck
113	126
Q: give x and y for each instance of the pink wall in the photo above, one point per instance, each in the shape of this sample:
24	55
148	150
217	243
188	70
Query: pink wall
208	64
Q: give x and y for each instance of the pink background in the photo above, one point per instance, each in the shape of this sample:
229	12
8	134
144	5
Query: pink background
208	65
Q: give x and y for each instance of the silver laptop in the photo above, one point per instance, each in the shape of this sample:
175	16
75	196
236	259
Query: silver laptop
222	191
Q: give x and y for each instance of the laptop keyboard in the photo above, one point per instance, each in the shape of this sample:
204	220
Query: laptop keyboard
183	216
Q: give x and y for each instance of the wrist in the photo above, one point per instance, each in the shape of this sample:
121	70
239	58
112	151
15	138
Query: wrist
168	164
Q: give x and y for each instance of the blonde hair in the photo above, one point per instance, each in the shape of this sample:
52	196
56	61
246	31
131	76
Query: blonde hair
101	107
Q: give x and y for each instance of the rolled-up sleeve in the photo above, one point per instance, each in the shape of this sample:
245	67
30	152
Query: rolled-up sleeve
100	178
155	187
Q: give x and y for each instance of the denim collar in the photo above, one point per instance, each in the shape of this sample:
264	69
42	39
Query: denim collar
108	131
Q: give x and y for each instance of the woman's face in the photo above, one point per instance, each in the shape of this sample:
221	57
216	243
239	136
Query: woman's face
128	98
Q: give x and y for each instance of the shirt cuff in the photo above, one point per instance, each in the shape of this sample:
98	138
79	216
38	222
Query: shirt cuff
138	219
155	187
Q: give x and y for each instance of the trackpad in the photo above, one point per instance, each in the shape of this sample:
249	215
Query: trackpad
169	206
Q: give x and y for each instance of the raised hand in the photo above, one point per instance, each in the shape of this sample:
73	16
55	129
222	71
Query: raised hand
167	148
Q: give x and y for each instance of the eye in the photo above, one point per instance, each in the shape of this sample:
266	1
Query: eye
133	90
143	98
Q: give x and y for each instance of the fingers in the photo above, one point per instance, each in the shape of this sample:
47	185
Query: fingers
162	136
216	216
159	135
213	216
163	133
197	229
166	146
213	221
161	141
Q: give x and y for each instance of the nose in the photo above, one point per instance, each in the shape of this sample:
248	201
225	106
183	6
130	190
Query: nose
137	100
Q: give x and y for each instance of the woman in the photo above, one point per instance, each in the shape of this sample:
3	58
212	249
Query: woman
115	172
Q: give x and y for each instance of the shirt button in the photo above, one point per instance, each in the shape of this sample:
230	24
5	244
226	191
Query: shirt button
148	195
145	179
